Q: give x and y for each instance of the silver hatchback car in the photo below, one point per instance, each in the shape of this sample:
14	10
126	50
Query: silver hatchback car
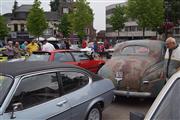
53	91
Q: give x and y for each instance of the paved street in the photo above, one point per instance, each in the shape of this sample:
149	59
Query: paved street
120	109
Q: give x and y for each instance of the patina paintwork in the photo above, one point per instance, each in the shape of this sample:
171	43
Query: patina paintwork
140	62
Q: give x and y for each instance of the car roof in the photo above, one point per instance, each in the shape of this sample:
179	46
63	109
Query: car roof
64	50
142	42
147	43
55	51
18	68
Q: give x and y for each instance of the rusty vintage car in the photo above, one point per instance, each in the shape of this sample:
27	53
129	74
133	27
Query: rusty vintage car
135	68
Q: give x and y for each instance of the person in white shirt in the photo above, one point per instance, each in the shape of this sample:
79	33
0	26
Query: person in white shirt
172	58
48	47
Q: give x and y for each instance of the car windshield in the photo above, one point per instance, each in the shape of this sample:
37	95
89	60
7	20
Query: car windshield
39	57
79	56
5	84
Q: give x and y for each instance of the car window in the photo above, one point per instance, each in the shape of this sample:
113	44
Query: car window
63	57
73	80
135	50
139	50
39	57
79	56
128	50
169	108
5	84
36	90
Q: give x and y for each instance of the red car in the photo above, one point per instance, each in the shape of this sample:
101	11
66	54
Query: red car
79	58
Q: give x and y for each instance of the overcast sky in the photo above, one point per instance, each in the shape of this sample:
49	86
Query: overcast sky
98	7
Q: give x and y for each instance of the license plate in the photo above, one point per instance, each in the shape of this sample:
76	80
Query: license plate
119	76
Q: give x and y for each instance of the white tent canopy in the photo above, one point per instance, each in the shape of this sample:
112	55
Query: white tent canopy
51	39
40	38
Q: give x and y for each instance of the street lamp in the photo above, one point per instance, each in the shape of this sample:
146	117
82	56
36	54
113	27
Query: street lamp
0	7
168	21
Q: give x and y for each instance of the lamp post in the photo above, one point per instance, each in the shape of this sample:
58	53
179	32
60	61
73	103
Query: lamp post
0	7
168	20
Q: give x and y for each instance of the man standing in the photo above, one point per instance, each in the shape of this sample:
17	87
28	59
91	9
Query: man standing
172	58
84	44
48	47
10	50
32	47
18	50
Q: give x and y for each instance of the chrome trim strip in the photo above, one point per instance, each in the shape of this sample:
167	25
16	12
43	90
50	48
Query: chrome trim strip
145	82
135	94
10	94
55	70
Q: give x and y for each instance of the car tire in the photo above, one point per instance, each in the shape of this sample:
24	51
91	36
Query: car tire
95	113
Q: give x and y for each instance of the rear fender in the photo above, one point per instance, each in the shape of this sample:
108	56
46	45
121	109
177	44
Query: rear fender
100	99
152	82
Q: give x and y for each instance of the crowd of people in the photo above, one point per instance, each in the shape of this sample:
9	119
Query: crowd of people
97	47
17	50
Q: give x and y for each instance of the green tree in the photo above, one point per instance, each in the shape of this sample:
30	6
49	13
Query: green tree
64	26
156	14
118	18
36	21
81	18
54	4
3	28
148	13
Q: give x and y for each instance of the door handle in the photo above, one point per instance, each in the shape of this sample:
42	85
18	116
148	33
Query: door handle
62	103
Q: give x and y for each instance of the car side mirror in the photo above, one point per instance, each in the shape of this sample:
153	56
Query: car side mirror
108	56
16	107
91	57
136	116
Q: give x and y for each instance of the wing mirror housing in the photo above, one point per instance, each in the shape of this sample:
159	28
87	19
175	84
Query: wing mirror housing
16	107
136	116
108	56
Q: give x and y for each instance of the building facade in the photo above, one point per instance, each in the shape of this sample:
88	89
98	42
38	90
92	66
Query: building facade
131	30
16	23
65	6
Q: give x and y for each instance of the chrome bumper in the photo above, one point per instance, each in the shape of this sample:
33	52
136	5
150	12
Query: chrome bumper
133	94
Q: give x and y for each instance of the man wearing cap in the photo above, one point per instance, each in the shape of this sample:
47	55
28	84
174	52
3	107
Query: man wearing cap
172	58
32	47
48	47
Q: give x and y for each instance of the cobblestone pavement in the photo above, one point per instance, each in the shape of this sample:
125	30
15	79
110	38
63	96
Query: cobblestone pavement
120	109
